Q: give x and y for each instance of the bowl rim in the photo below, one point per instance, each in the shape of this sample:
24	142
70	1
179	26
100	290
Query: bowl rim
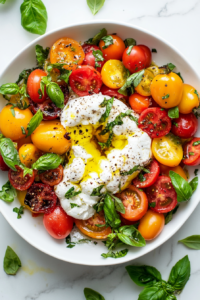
83	23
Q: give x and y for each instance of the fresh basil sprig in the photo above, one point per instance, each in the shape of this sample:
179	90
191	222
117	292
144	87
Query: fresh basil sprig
9	153
34	122
180	274
19	211
192	242
108	103
11	262
111	216
53	91
71	193
41	54
48	161
144	275
132	81
98	55
8	193
92	295
95	5
96	39
9	89
129	42
34	16
173	113
64	74
108	40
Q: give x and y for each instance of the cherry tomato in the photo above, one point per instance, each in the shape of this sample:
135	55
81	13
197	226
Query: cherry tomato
41	198
139	103
113	93
19	181
33	86
185	126
136	60
52	177
90	61
164	170
114	51
191	156
189	99
155	122
162	194
88	48
85	81
24	140
114	74
57	223
135	203
49	109
3	166
147	53
28	154
168	150
89	228
144	87
151	225
147	179
167	89
68	51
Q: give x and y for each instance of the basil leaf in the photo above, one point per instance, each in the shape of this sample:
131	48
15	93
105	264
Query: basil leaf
41	54
129	42
181	186
97	191
55	94
180	274
108	103
116	254
34	122
132	80
144	275
92	295
108	142
153	293
48	161
192	242
129	49
194	183
152	204
11	262
196	172
179	74
19	211
169	215
34	16
166	96
196	143
195	92
9	153
98	55
95	5
171	297
119	205
153	50
74	205
71	193
173	113
111	216
8	193
9	89
64	74
171	66
96	39
108	40
24	75
2	1
131	236
134	169
26	170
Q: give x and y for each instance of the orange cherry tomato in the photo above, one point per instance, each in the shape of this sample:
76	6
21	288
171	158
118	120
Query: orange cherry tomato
114	51
151	225
67	51
89	228
189	99
28	154
135	203
24	140
139	103
164	170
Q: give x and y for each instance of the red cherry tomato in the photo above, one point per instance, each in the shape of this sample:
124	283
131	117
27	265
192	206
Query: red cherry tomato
148	55
58	224
88	48
41	198
136	60
52	177
113	51
155	122
153	103
33	86
144	180
85	81
191	152
185	126
112	93
3	166
49	109
162	194
90	61
127	222
139	103
19	181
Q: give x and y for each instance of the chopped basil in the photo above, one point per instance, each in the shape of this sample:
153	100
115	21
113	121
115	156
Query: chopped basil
153	50
107	143
98	55
191	153
152	204
108	103
196	172
196	143
97	191
116	254
131	82
129	42
34	122
96	39
129	49
23	130
19	211
196	93
175	124
41	54
165	97
179	74
74	205
134	169
8	193
64	74
173	112
108	40
141	177
11	262
171	66
71	193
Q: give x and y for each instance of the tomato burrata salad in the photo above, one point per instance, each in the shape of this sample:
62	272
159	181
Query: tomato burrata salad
96	138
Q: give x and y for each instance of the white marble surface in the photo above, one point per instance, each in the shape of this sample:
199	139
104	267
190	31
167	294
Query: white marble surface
43	277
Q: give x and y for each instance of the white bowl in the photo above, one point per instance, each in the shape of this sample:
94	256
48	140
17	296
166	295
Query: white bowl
32	229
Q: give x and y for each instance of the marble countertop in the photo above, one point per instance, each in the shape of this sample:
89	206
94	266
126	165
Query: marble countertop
43	277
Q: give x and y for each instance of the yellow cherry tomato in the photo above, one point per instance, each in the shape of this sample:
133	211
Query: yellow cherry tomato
167	89
143	87
164	170
49	136
24	140
189	99
28	154
12	121
151	225
168	150
114	74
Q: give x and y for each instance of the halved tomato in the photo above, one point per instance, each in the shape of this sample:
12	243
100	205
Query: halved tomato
19	181
144	180
88	48
191	152
113	93
52	177
49	109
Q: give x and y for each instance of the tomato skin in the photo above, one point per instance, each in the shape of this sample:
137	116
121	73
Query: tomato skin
90	61
188	149
28	154
136	61
112	93
144	87
151	177
85	81
139	103
135	203
155	122
189	99
49	109
187	126
57	223
114	74
52	177
151	225
3	166
18	181
164	170
148	55
114	51
33	86
88	48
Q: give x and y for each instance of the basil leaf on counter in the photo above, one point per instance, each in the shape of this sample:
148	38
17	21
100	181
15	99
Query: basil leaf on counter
144	275
108	103
19	211
9	153
129	235
96	39
129	49
11	262
71	193
8	193
192	242
129	42
95	5
34	16
34	122
55	94
116	254
173	113
9	89
108	40
92	295
133	81
48	161
74	205
154	293
111	216
97	191
180	274
41	54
